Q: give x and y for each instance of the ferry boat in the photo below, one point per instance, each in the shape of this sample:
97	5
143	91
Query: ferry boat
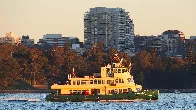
113	83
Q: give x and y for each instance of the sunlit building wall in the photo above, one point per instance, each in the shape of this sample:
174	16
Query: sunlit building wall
10	38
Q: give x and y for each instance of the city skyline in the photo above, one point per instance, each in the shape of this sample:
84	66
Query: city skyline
36	18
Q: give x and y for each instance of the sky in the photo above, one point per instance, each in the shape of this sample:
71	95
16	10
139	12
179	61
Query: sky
38	17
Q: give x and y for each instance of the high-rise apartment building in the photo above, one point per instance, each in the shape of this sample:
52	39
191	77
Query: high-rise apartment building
112	26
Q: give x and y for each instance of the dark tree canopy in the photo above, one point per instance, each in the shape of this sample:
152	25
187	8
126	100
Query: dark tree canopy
40	65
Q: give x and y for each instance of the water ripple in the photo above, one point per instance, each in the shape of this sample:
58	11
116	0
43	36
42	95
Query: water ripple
167	101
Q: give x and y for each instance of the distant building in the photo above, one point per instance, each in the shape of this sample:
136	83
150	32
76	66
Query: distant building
26	41
57	39
155	42
140	42
174	42
78	49
73	40
53	39
10	38
192	37
146	42
112	26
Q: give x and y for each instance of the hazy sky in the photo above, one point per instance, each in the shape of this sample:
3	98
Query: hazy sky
38	17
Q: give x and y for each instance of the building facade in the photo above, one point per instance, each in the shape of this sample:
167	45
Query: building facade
148	42
57	39
10	38
174	42
26	41
112	26
170	42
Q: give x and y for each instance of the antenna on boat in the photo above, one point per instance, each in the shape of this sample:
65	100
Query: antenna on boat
121	64
73	73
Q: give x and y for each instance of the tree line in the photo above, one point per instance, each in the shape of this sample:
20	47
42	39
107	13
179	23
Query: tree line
48	66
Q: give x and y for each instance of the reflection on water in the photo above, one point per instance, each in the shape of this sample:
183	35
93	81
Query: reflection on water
167	101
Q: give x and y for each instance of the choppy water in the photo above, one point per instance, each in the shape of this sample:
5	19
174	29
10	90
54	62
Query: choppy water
167	101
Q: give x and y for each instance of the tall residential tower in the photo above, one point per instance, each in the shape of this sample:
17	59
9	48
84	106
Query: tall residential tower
112	26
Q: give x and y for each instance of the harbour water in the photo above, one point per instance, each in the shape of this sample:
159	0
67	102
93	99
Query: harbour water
167	101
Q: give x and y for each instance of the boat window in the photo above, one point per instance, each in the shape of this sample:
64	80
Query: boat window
78	82
74	82
112	91
103	82
91	81
99	81
79	91
129	89
108	70
108	81
119	70
70	91
124	90
109	91
123	70
69	82
116	80
122	81
115	91
95	81
120	91
119	80
129	80
115	71
83	82
74	91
